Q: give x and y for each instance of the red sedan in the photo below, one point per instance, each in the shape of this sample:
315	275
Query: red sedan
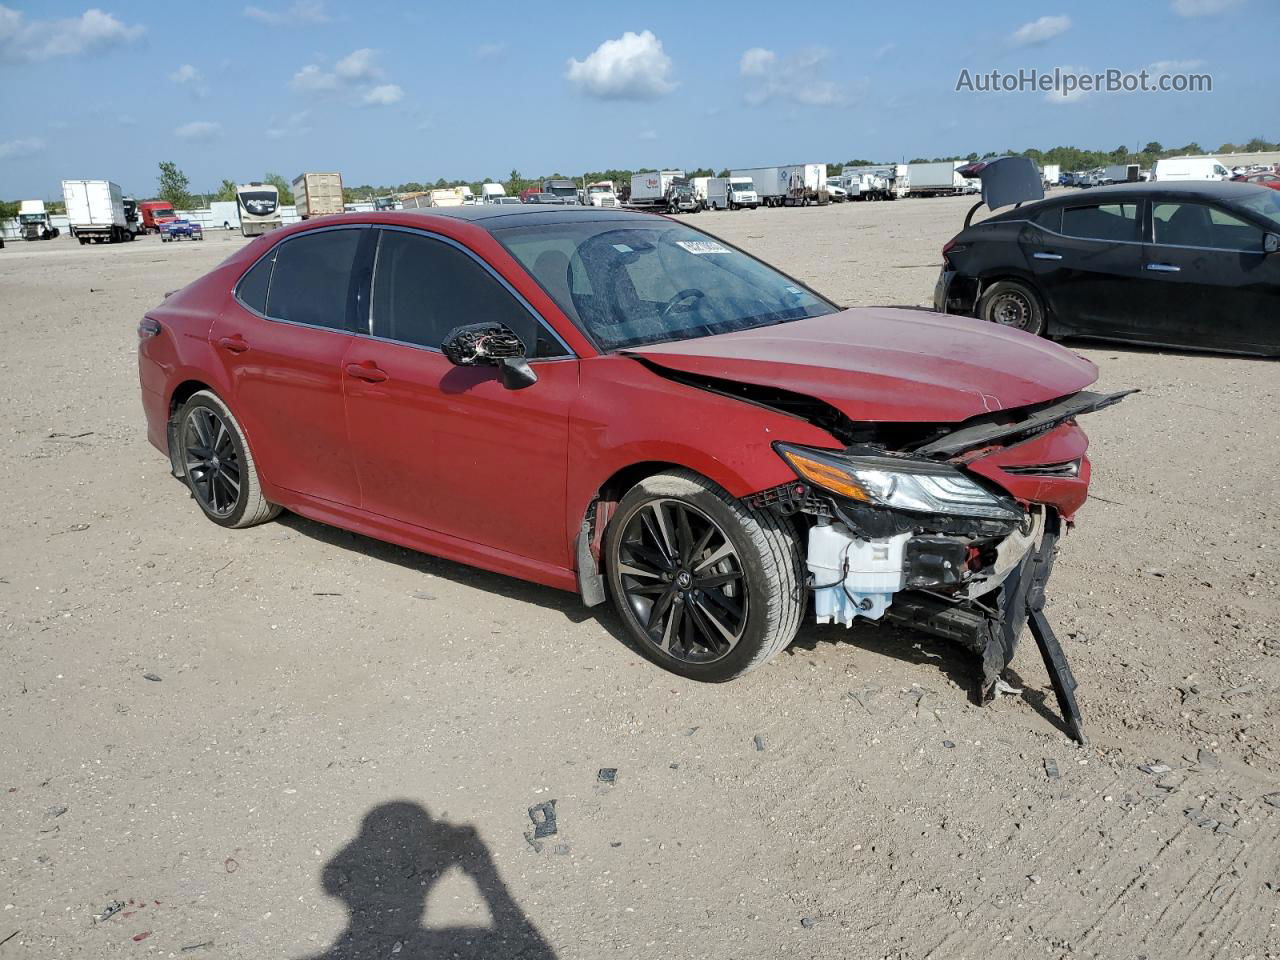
1271	180
619	405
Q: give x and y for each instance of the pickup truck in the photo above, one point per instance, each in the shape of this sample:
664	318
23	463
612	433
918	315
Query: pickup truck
177	229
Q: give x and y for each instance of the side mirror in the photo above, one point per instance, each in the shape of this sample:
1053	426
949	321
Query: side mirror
1270	242
494	345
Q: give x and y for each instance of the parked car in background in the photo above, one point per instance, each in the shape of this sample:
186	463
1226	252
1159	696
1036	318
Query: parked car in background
181	229
557	369
505	200
1270	180
1188	168
1184	264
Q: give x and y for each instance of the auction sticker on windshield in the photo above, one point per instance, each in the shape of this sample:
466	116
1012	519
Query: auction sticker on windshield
702	246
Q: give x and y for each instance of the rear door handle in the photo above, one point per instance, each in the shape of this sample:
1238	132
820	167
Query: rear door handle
367	371
1047	256
1163	268
235	344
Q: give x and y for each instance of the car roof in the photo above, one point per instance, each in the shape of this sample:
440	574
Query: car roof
496	216
1161	189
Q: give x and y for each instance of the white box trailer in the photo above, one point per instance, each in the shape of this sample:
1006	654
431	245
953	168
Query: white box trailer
224	214
1051	172
1122	173
318	194
935	179
792	184
95	211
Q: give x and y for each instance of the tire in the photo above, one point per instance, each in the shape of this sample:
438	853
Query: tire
1011	303
751	601
198	431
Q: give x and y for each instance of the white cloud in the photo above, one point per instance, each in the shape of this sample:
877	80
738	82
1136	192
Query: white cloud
632	67
358	65
304	11
1040	31
198	130
1076	95
884	50
191	78
13	149
799	78
490	51
356	74
383	95
26	41
1203	8
1173	66
294	125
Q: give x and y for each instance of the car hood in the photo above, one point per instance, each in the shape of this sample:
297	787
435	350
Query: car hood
888	365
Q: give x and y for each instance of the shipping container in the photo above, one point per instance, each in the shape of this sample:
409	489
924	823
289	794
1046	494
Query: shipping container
318	194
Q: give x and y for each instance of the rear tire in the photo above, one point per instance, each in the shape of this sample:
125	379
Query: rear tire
218	467
708	587
1011	303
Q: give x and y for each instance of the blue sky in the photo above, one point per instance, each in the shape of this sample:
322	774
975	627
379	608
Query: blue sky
392	92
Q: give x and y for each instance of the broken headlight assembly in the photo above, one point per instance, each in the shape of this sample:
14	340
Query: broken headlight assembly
895	483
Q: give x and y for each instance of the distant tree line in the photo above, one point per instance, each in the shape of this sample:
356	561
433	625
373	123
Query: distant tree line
172	184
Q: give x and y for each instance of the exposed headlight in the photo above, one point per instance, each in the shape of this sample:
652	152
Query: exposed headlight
915	485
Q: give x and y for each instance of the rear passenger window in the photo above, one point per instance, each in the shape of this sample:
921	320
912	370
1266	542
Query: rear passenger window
1049	219
424	288
1102	221
311	278
252	290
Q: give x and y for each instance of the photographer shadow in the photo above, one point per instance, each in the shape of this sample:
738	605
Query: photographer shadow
385	875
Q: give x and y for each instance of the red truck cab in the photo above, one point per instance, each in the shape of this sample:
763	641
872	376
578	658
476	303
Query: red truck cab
156	213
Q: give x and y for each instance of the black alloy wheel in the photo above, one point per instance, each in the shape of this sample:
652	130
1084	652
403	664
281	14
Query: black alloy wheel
212	462
706	586
683	580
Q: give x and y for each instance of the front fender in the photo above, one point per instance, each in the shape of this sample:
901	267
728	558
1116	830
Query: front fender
626	414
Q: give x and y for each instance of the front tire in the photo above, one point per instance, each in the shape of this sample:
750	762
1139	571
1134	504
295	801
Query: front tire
218	468
1010	303
708	588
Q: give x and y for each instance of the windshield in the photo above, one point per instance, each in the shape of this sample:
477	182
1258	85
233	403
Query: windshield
31	218
742	185
259	202
162	212
626	283
1265	205
562	191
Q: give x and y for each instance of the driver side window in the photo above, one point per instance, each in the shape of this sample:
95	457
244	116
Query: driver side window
423	288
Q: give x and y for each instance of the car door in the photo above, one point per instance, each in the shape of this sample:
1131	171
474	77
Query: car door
1086	258
449	448
281	341
1207	278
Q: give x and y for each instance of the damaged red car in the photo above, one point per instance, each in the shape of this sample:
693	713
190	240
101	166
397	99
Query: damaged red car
617	404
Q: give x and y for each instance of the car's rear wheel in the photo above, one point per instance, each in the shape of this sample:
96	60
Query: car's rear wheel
707	587
217	464
1012	304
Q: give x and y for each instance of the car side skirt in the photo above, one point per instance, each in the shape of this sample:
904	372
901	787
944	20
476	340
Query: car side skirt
423	540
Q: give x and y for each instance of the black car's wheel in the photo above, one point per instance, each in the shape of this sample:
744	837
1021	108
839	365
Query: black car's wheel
1012	304
218	466
707	587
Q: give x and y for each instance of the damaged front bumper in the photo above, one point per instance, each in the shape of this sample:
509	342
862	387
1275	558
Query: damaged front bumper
956	537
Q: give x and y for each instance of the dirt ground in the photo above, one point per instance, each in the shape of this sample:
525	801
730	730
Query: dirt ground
290	741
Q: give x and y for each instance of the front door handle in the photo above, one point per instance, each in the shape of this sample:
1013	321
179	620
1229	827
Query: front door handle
1047	256
235	344
367	371
1163	267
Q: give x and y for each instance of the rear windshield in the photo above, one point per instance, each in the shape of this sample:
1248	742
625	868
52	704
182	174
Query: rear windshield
629	283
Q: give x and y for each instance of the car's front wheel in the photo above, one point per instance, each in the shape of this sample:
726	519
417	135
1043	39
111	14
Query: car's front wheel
708	587
1012	304
217	464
